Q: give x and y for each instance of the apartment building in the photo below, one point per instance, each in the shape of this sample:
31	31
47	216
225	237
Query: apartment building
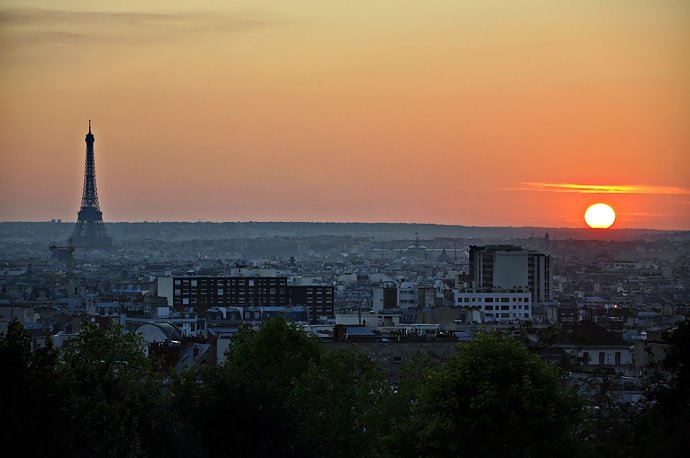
511	267
247	291
495	304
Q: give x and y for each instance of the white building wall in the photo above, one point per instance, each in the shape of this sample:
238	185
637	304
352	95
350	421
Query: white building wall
222	344
252	272
347	278
497	305
376	299
620	358
407	295
511	269
165	289
369	320
380	278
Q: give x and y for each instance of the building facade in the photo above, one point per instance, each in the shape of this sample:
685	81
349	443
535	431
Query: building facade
246	291
496	305
510	267
384	297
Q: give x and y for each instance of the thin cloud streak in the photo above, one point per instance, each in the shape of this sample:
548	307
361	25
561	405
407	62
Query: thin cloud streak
661	215
41	26
599	189
44	17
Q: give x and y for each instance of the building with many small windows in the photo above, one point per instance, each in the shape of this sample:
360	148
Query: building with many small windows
407	295
510	267
247	290
496	305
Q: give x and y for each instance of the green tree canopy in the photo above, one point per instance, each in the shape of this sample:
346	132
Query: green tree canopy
240	409
494	398
337	400
665	422
115	404
272	357
396	425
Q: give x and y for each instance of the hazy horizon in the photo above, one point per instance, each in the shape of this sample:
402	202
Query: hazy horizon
584	229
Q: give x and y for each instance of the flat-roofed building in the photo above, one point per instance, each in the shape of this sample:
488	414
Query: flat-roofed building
496	304
511	267
246	291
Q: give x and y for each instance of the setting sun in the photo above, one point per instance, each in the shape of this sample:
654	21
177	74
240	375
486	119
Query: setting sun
600	216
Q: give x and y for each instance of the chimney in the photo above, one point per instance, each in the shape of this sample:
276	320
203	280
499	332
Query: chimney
339	333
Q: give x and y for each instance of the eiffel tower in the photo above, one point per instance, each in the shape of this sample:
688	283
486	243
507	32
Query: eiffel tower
90	231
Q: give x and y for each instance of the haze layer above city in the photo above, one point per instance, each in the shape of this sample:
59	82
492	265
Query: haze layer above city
486	114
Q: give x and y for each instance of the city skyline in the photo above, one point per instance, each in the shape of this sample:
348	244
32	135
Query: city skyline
454	113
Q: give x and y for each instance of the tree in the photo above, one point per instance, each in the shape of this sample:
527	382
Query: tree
114	402
241	409
665	421
232	418
396	426
337	400
494	399
30	392
271	357
610	424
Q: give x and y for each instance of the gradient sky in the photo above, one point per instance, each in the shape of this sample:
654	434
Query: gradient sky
469	112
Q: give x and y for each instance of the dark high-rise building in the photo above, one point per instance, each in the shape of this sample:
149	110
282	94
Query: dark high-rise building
247	291
90	230
318	299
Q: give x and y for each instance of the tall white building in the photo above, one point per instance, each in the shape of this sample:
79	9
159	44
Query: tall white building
510	267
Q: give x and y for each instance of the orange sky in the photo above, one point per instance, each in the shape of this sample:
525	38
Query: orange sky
450	111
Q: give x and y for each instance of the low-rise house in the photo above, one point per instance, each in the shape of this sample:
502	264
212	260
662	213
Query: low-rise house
598	349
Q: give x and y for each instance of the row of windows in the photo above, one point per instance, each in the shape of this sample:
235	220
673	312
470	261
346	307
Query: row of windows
231	281
491	299
249	289
603	358
258	290
242	300
505	307
508	315
231	301
256	315
230	291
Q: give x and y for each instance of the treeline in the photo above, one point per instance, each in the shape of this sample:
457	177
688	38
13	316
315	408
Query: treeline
281	393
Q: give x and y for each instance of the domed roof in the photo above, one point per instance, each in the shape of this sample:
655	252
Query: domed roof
159	332
417	250
444	257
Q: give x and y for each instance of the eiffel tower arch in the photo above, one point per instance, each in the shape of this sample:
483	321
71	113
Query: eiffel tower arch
90	231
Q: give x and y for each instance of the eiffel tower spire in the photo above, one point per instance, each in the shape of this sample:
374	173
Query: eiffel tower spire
90	231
